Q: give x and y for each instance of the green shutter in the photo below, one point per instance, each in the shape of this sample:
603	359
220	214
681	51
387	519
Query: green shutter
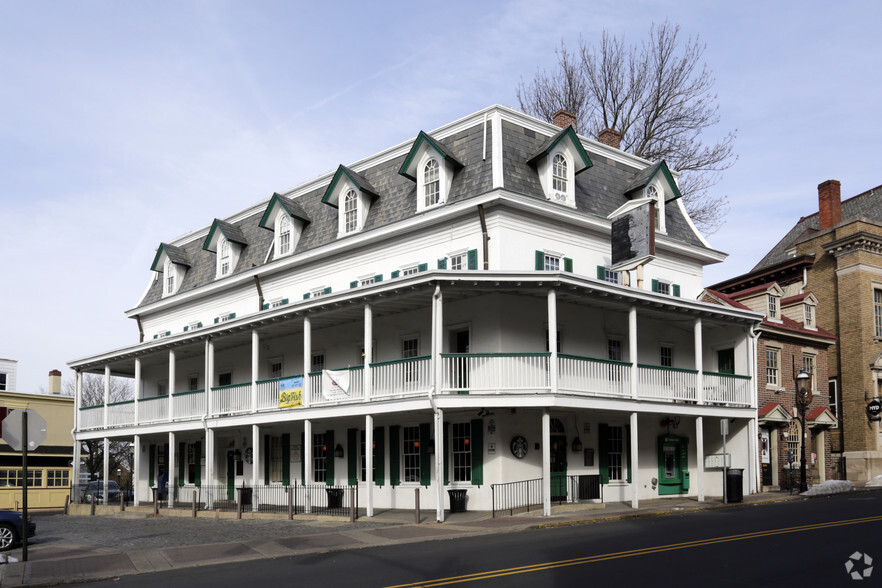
306	296
216	320
329	458
199	325
151	473
187	327
425	458
182	453
326	290
627	447
655	285
422	267
396	273
442	263
601	273
380	456
303	458
353	284
198	466
473	259
232	316
284	301
395	455
446	453
602	455
286	459
264	307
477	442
568	264
352	455
378	278
676	289
540	260
267	459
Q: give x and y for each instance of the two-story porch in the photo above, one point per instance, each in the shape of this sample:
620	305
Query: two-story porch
459	379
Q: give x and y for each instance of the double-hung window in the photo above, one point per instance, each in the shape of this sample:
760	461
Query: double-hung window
411	454
772	363
615	453
773	307
808	365
275	457
319	458
552	263
877	311
284	234
559	173
350	211
224	248
432	182
462	452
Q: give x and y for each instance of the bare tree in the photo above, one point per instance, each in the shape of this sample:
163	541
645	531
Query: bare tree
658	96
121	389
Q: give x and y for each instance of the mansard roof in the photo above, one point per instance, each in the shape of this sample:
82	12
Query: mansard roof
469	141
174	254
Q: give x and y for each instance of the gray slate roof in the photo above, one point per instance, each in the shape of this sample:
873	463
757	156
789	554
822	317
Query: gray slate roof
867	205
176	254
599	191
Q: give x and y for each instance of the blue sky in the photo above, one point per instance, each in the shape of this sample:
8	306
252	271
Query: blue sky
126	124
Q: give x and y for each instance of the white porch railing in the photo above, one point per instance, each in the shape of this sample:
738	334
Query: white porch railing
726	389
153	409
401	377
188	405
666	383
268	393
232	399
120	414
495	372
354	392
91	417
600	377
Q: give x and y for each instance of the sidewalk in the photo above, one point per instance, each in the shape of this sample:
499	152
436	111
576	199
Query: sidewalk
62	564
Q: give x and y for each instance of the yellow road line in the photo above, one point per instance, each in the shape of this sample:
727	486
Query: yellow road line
631	553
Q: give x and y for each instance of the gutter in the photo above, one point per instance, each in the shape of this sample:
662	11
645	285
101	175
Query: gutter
259	293
486	237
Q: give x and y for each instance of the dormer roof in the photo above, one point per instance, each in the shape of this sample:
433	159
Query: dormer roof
645	176
228	230
174	254
332	195
772	288
425	141
806	297
567	135
278	202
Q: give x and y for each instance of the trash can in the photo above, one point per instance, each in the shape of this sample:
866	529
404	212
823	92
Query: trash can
335	497
247	493
457	500
734	485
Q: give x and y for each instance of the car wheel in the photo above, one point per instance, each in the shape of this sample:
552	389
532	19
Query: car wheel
8	536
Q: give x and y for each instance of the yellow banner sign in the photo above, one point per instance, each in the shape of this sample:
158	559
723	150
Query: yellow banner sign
291	392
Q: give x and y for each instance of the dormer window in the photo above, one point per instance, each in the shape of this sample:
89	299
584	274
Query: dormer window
559	173
223	258
557	162
809	316
170	277
173	262
350	212
283	233
352	195
432	166
227	242
657	184
653	193
287	219
773	307
431	183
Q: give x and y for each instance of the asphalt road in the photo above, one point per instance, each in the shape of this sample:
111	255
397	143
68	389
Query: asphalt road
806	542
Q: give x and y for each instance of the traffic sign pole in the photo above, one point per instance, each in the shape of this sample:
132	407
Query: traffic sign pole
24	500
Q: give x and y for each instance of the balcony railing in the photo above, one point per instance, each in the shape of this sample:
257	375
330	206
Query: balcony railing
462	373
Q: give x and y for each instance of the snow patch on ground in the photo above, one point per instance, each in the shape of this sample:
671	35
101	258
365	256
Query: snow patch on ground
832	487
875	482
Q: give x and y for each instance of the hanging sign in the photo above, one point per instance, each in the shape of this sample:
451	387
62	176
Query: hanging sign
335	384
291	392
874	407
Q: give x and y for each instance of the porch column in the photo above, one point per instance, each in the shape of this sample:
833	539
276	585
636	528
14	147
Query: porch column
106	474
369	463
546	463
552	341
635	465
77	444
306	456
172	472
368	358
307	364
437	341
136	474
752	456
171	386
699	456
699	362
255	368
632	348
209	378
439	465
106	394
255	463
209	467
137	389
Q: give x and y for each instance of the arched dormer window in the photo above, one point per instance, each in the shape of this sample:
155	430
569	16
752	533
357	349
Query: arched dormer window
654	193
432	182
559	173
170	277
350	211
223	258
283	234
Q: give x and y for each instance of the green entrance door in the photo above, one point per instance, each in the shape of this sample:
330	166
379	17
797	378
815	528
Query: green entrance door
673	464
558	442
231	476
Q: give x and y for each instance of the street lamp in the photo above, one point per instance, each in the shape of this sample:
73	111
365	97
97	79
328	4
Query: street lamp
803	399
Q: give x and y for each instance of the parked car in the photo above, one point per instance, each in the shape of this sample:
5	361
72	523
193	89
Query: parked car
11	529
95	492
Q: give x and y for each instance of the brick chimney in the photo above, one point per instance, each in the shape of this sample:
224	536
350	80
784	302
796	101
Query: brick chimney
610	137
563	119
829	204
54	382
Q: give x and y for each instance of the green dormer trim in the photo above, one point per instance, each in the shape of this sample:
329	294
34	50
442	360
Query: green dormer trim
330	197
643	179
293	209
567	134
410	161
175	254
228	230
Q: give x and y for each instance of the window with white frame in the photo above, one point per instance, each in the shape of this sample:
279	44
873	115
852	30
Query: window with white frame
808	365
614	349
664	287
366	281
559	173
552	263
364	458
319	458
410	270
194	325
794	437
223	259
283	235
773	306
318	361
833	392
666	355
350	211
772	367
655	194
275	368
275	458
809	315
462	452
431	183
410	347
318	292
411	454
877	311
458	261
611	276
2	382
193	382
615	453
170	276
225	378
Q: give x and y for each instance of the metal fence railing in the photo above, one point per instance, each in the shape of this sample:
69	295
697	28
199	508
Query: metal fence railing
313	499
513	498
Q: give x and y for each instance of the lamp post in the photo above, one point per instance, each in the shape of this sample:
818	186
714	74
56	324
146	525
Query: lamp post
803	399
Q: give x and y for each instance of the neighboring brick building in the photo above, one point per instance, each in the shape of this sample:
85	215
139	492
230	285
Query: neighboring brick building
789	339
836	254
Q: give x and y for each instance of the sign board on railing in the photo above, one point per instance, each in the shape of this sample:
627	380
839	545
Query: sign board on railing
715	460
335	384
291	392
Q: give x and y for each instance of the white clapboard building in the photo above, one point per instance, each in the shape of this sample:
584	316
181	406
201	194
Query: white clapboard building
452	304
